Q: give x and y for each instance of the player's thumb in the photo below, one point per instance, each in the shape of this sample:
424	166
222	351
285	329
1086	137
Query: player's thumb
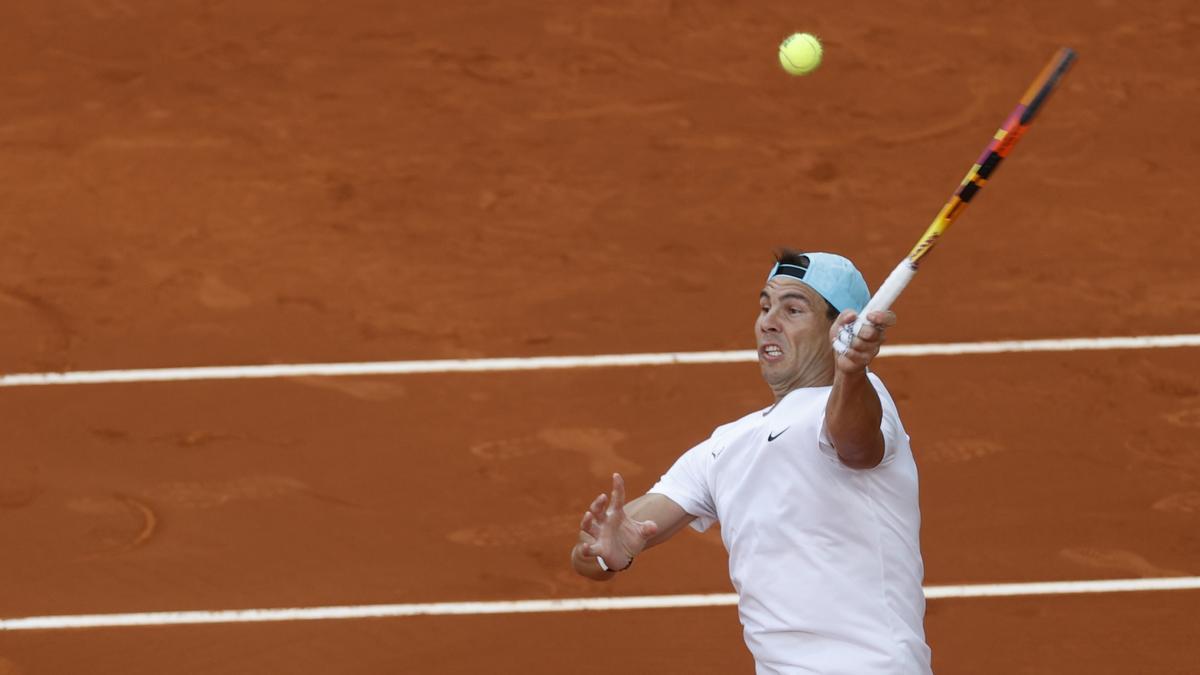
648	528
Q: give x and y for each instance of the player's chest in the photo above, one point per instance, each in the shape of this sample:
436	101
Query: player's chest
776	449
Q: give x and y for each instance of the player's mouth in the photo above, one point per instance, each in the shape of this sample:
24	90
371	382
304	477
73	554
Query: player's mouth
770	352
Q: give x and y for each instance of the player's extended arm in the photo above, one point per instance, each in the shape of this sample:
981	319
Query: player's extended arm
853	413
617	531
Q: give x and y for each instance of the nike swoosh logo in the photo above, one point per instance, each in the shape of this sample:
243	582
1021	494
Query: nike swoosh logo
771	437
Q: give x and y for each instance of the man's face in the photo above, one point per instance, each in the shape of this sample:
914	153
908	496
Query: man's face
792	332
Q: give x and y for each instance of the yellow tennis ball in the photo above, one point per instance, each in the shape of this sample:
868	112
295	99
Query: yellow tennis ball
800	53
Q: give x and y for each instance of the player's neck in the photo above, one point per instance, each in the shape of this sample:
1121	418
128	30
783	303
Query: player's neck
813	377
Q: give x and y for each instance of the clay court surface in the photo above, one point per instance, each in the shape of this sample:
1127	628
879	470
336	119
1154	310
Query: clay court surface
221	183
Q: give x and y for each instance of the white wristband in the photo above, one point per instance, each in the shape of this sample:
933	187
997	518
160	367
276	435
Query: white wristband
604	566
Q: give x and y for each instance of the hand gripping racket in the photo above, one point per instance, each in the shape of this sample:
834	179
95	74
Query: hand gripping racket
999	147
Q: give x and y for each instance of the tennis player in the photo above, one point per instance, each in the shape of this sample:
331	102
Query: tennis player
816	494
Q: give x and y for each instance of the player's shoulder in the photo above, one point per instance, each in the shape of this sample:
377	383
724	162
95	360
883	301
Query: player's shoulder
749	419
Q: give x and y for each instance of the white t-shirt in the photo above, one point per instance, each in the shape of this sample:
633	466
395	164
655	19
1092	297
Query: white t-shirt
826	559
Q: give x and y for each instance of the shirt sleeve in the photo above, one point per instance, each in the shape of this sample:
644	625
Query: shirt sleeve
894	435
687	484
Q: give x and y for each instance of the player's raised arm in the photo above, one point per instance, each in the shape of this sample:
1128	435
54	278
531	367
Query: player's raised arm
853	412
612	532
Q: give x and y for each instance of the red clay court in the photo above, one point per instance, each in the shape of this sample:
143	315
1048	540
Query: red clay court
208	183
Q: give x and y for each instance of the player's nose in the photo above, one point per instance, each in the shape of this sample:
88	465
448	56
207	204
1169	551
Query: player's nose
768	322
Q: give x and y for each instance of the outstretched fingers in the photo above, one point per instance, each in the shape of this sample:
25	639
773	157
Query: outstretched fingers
597	508
618	492
589	525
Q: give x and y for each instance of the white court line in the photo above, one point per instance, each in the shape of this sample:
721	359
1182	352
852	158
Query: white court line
544	606
558	362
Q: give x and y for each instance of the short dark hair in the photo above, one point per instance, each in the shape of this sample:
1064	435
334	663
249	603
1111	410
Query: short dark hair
789	256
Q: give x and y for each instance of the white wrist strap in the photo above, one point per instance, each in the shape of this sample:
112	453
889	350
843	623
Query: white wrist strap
604	566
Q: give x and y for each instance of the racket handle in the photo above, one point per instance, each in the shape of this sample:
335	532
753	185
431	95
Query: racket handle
882	300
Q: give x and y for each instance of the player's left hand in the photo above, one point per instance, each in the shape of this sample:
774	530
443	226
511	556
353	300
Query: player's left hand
866	344
610	533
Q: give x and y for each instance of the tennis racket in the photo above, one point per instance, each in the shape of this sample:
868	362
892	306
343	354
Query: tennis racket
995	152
